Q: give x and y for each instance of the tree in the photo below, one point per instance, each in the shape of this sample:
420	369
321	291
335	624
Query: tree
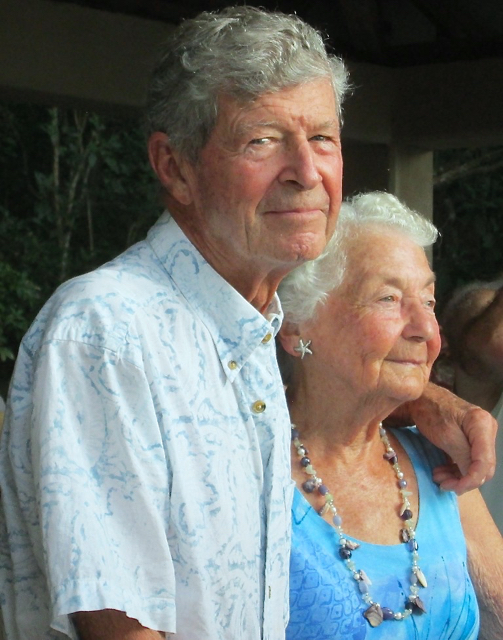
468	210
76	191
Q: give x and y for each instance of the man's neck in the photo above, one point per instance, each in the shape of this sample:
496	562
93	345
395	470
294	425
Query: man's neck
257	286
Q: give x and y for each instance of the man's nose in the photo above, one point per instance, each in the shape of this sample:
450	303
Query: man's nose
300	166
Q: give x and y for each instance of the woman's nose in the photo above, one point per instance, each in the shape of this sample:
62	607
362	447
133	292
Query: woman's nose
421	324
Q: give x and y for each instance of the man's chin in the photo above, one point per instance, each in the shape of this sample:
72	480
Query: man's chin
309	250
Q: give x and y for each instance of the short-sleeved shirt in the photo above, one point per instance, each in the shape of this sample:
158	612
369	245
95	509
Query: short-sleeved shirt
325	602
145	459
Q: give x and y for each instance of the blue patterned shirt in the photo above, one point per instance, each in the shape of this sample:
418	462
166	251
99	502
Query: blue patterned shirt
145	458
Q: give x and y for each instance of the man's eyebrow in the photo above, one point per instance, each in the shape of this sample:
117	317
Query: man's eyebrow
328	124
246	127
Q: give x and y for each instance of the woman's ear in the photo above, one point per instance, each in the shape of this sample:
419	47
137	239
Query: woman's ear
169	167
288	336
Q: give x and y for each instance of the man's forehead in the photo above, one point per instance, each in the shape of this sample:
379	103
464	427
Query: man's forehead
312	101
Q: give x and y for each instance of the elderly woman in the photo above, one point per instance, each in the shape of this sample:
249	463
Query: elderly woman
378	550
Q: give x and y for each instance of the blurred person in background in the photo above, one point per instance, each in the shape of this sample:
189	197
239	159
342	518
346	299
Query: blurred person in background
472	364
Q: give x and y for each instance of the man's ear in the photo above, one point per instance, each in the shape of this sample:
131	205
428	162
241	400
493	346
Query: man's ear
289	337
169	167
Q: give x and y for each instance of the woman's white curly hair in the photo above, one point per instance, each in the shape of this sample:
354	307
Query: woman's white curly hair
308	286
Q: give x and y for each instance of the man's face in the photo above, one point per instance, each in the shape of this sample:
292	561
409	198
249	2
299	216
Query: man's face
266	190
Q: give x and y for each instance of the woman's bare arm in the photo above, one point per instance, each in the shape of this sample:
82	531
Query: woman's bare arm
485	562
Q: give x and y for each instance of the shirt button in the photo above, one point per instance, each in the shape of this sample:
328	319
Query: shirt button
232	364
267	338
258	406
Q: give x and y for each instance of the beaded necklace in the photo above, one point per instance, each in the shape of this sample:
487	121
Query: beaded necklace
375	613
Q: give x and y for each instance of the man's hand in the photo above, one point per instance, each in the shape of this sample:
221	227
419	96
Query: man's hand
465	432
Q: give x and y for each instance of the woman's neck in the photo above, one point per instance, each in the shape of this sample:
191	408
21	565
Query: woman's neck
348	424
356	473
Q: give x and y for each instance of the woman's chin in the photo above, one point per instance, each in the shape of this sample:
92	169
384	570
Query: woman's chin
408	393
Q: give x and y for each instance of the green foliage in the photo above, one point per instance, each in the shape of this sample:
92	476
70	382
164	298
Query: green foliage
468	210
76	191
20	297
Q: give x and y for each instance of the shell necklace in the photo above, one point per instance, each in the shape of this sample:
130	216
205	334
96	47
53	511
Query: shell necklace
375	613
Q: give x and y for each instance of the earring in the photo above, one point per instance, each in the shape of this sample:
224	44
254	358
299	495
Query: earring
303	348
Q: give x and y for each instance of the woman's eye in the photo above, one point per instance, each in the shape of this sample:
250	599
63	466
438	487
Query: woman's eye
389	298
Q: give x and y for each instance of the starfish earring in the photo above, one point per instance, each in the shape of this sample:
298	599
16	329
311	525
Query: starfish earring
303	348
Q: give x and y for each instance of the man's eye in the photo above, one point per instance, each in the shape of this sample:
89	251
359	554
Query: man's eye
260	141
431	303
389	298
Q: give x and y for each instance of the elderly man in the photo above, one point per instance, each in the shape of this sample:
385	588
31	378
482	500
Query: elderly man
145	460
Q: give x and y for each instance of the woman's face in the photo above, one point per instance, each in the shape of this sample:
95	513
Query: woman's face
377	334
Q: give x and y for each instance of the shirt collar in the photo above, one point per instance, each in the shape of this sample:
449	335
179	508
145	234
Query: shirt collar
236	327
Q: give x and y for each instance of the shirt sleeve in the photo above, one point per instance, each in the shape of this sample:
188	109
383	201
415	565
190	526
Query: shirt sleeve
102	482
